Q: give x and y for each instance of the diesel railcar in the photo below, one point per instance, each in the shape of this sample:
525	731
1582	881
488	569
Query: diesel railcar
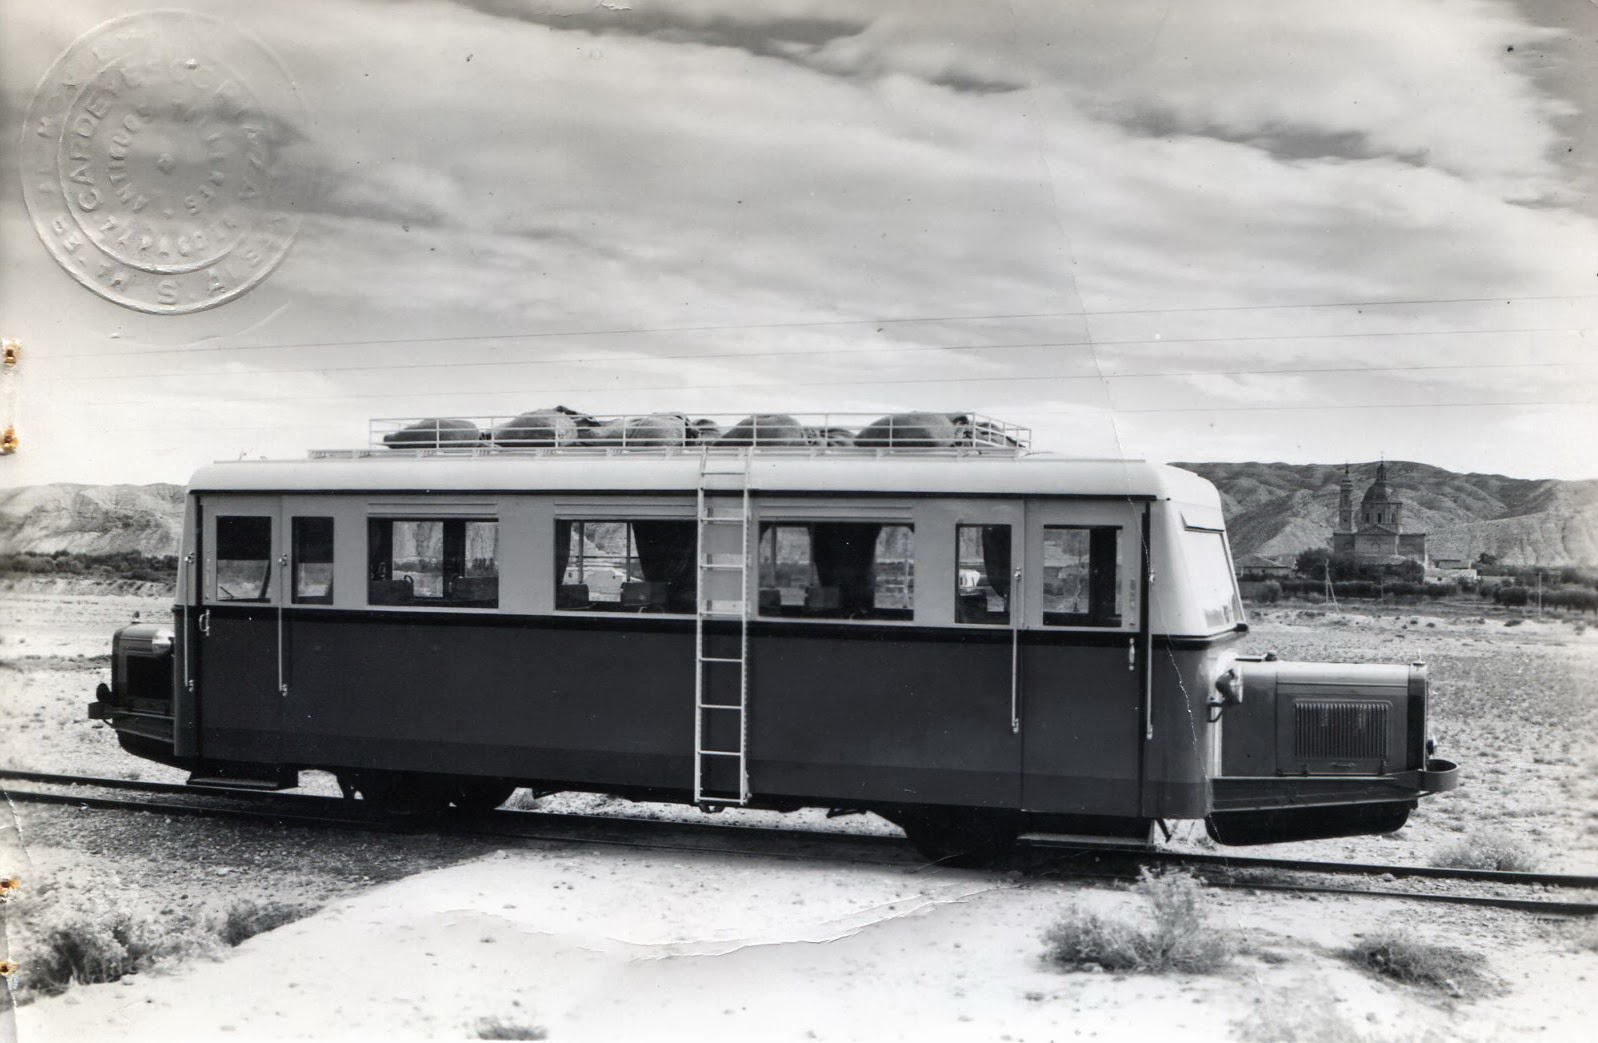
967	637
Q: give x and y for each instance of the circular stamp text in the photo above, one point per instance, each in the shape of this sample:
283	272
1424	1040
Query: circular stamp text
153	161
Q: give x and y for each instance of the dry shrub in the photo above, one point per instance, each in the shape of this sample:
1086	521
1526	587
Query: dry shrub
100	945
1403	957
94	942
1174	934
1479	850
246	919
1083	939
504	1028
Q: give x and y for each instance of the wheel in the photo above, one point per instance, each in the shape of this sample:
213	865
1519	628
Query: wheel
962	837
480	796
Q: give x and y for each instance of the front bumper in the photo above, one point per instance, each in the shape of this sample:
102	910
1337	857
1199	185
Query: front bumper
1301	791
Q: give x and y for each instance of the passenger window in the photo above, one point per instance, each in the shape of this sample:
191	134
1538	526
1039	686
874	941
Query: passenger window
313	561
451	562
626	566
243	558
837	570
1081	567
982	574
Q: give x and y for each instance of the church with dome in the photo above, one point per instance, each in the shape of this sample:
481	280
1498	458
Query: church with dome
1374	535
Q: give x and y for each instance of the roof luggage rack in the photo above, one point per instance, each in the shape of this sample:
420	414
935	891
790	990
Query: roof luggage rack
560	431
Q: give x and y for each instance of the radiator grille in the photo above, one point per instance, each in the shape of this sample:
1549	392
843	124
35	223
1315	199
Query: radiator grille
1334	728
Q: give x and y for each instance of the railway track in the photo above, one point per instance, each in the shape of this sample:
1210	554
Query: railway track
1038	856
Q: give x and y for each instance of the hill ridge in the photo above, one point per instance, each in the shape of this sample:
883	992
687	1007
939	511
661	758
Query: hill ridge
1272	508
1278	509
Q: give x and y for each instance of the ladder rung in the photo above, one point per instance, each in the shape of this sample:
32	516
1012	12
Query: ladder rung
722	608
720	706
718	567
723	519
718	659
720	753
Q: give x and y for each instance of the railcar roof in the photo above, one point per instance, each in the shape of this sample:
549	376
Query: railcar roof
952	475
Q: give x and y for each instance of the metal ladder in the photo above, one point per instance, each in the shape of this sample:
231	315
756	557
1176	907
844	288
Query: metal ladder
721	727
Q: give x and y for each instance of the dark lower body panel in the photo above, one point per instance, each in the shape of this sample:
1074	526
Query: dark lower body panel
839	715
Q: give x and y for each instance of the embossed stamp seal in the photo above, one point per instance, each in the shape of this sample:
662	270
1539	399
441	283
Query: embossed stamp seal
153	161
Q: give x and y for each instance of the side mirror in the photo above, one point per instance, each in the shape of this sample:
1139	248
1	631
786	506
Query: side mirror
1228	692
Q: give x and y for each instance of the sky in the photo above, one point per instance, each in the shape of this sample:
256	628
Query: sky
1209	230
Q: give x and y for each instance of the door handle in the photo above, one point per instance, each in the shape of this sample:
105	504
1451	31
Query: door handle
204	623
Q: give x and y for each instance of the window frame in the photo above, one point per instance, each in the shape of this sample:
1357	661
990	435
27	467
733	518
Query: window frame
379	570
1094	618
1014	608
1083	513
296	559
781	518
616	514
1235	608
241	508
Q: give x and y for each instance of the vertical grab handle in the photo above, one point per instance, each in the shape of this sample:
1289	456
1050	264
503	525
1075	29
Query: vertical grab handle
183	597
283	596
1017	607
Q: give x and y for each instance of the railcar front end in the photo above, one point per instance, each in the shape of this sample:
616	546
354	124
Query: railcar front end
1311	750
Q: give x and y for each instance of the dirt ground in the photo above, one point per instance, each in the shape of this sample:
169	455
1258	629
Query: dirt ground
422	936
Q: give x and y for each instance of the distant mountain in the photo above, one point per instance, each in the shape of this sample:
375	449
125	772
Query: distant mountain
91	519
1280	509
1272	509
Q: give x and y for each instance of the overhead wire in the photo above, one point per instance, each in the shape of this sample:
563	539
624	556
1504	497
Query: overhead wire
806	324
875	351
775	383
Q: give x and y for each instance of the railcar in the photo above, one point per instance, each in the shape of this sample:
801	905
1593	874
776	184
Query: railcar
968	637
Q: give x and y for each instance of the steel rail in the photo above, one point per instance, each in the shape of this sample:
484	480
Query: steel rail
384	820
1528	905
1122	862
141	785
1295	865
560	827
551	827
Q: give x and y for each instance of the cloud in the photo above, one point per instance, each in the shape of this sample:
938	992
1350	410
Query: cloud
771	29
829	36
1410	80
1421	82
866	188
1184	222
938	182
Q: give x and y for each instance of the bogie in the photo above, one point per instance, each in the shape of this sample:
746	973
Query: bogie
959	837
418	795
